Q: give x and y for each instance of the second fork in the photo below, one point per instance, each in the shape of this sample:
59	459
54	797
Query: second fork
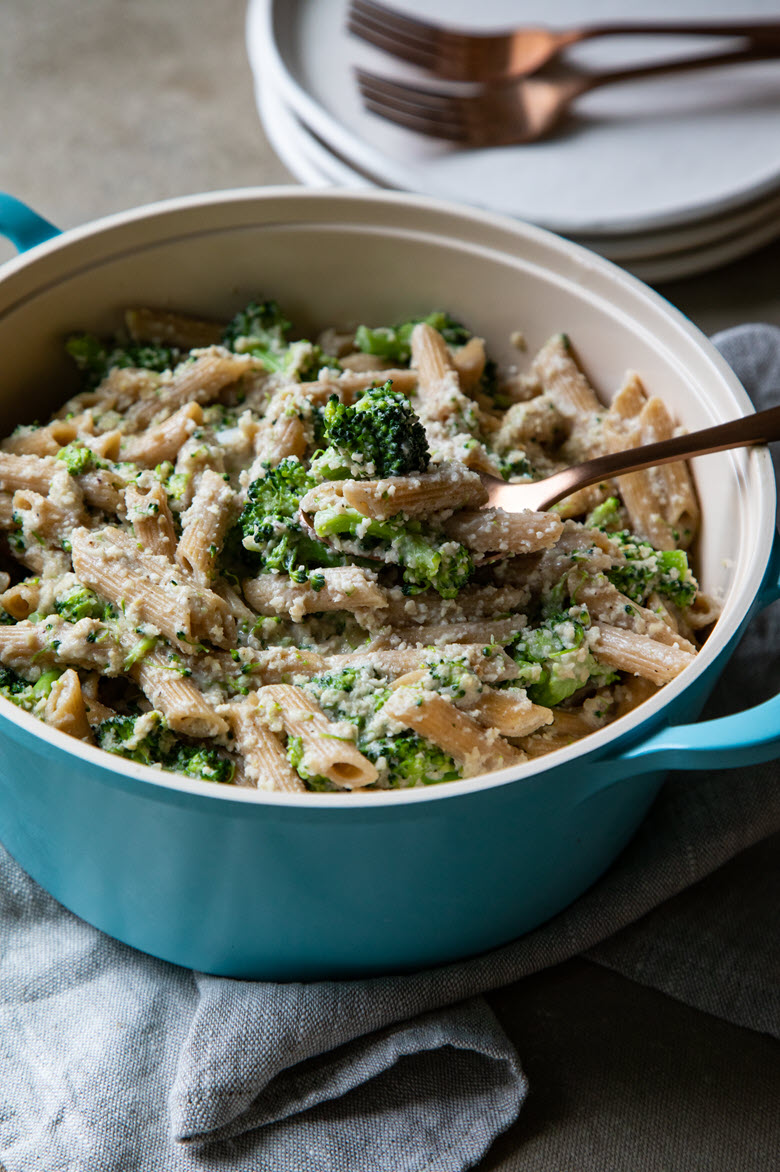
519	111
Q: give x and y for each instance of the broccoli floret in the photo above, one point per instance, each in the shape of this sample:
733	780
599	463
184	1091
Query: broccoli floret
76	458
204	761
23	693
515	465
428	559
378	435
95	358
16	689
605	516
649	571
6	619
314	781
268	535
393	343
148	740
555	662
332	688
81	603
408	759
261	330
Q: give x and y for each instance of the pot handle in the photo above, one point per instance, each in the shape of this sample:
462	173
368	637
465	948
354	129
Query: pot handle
23	227
745	738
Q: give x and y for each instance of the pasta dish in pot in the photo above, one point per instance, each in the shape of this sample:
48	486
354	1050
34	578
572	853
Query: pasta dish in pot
161	598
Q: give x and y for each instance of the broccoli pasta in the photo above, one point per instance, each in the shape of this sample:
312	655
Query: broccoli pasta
163	599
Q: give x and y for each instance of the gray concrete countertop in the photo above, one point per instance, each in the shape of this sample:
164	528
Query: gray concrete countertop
107	104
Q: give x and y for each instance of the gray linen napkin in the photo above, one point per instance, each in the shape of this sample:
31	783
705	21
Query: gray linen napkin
111	1061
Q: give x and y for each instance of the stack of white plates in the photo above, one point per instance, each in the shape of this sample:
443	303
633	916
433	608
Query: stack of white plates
667	177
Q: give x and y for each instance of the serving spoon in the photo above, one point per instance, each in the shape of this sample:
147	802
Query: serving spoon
539	495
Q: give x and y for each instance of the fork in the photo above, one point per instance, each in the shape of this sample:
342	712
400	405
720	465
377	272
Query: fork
538	495
462	56
519	111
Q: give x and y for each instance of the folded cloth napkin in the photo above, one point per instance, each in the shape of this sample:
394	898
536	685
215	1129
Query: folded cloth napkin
112	1061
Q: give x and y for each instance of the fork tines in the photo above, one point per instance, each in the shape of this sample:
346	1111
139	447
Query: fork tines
414	107
444	52
402	36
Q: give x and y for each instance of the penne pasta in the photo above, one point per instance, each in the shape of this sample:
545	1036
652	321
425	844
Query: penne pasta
436	719
336	588
264	759
204	526
65	708
496	531
639	654
326	751
198	594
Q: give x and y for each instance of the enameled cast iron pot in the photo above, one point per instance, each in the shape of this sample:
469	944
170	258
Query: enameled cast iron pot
296	887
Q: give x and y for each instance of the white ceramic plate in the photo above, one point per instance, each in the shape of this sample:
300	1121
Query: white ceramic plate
639	157
300	151
664	257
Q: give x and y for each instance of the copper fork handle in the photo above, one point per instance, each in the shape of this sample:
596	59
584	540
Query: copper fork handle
760	31
758	52
760	428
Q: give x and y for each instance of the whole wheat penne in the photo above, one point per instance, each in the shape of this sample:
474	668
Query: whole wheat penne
31	647
512	716
326	751
150	515
704	611
473	747
6	510
672	482
560	376
469	361
41	441
496	531
627	403
149	589
164	328
482	631
265	761
350	383
33	473
438	389
283	431
631	692
21	600
473	602
50	521
273	667
606	604
489	662
639	654
536	421
199	380
360	362
156	444
334	588
65	709
279	665
176	697
204	526
448	487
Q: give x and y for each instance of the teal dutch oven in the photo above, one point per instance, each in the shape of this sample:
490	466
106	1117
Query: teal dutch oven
248	884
